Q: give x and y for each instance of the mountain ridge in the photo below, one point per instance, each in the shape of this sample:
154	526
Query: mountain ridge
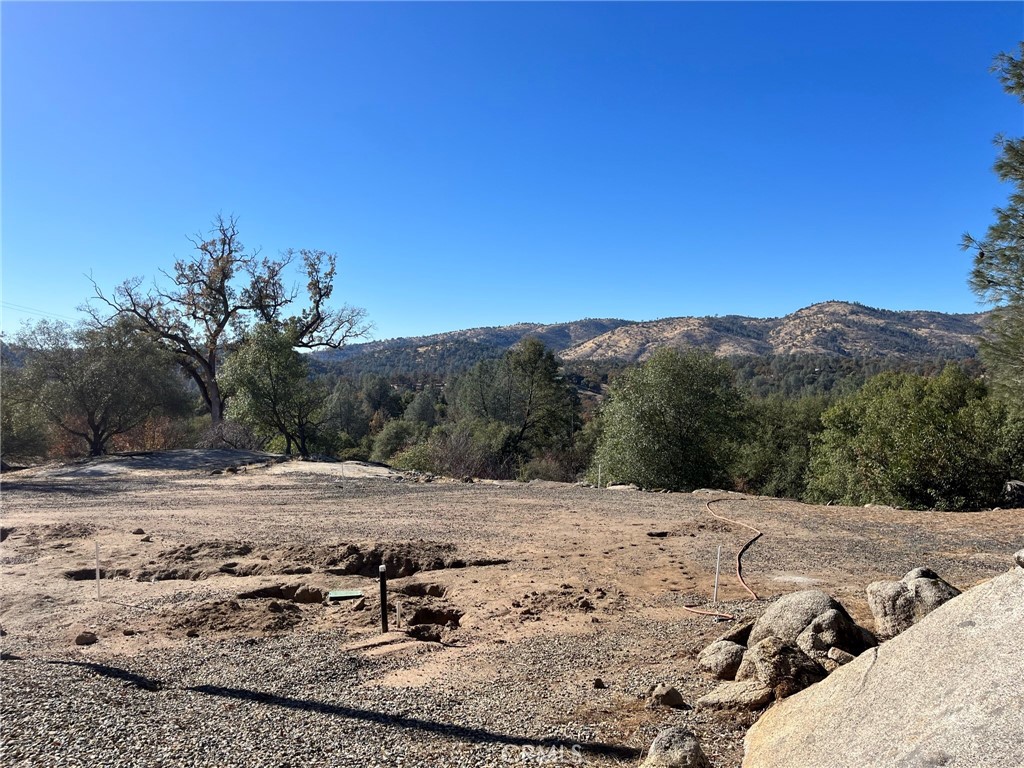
844	329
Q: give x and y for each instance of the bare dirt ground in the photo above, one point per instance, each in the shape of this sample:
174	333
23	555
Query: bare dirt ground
214	647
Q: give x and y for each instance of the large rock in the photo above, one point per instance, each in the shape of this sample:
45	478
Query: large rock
898	605
789	616
779	667
945	692
826	637
675	747
721	659
744	695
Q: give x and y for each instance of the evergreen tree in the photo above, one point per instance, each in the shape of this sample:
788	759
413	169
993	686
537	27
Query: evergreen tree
998	274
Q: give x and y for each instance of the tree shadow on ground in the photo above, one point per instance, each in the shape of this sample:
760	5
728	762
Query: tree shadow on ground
139	681
449	730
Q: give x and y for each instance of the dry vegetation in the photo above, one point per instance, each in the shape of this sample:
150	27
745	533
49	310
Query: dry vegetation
215	649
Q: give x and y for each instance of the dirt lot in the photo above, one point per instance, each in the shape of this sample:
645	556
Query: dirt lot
215	648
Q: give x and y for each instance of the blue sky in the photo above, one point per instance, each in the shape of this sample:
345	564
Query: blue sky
487	163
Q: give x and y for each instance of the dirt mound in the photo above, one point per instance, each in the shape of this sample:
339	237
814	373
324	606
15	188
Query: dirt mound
567	599
89	574
437	613
399	558
297	593
194	562
231	616
67	531
422	589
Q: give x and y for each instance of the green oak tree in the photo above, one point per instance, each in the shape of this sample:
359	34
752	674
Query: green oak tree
670	423
95	383
273	392
911	441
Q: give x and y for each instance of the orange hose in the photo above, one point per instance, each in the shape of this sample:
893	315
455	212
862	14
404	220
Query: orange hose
739	560
739	555
699	612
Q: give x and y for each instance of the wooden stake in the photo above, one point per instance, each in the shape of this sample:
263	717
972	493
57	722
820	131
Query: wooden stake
718	567
383	598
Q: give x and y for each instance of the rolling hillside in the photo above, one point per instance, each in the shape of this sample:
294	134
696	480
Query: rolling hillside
829	328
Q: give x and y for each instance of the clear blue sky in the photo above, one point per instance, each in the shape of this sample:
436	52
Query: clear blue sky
484	164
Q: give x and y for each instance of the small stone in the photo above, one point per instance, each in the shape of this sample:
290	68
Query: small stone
138	532
146	538
359	604
599	684
86	638
739	634
840	656
1018	558
128	632
662	695
309	595
192	633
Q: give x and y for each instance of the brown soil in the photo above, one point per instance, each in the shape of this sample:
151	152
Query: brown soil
491	564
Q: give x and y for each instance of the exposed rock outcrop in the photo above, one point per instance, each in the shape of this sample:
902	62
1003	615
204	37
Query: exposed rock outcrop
898	605
945	693
821	621
795	643
779	667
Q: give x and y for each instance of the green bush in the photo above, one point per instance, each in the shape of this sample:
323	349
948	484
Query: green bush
396	435
550	466
774	456
670	423
912	442
417	458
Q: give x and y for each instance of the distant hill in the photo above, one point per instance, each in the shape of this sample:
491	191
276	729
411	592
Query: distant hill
831	328
455	351
835	328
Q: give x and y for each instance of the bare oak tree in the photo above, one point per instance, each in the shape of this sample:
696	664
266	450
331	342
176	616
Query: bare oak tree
204	306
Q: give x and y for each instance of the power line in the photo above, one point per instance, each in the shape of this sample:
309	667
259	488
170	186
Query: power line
34	311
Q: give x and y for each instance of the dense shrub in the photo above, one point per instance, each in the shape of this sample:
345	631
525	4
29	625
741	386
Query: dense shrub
774	456
670	423
912	442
